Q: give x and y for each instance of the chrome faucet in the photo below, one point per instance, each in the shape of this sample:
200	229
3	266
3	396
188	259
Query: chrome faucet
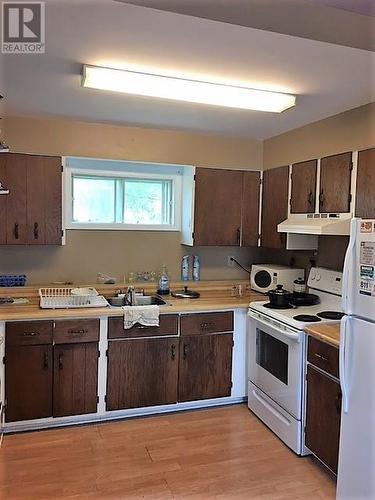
130	298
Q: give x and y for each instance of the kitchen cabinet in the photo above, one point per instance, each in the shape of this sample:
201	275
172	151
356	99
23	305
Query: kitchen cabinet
28	370
335	183
365	198
323	403
303	187
218	206
75	383
274	206
250	209
142	372
33	208
206	346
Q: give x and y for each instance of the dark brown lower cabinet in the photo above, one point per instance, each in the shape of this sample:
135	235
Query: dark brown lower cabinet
142	372
28	382
75	384
205	366
323	417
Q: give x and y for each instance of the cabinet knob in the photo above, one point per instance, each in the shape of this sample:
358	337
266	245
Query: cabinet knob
310	198
61	366
238	235
45	361
16	231
77	332
322	198
173	351
36	231
184	351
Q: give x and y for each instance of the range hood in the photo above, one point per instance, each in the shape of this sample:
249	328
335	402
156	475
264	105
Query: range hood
317	224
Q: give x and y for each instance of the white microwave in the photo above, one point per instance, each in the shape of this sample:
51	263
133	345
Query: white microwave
265	277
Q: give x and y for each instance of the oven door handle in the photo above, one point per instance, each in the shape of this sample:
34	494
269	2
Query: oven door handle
290	335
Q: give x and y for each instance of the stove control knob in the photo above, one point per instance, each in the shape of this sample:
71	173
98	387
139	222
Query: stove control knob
312	274
318	277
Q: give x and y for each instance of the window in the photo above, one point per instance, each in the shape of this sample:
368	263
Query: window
104	199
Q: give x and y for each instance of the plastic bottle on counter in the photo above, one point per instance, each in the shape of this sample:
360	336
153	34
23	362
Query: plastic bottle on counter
196	268
163	282
185	268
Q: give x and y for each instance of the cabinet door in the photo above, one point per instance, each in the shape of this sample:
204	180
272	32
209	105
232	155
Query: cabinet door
205	367
142	372
303	187
75	384
15	180
365	203
28	382
335	183
250	209
44	213
323	415
274	206
218	201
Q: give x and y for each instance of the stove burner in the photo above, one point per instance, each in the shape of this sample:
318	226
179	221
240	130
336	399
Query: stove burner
306	318
271	306
335	315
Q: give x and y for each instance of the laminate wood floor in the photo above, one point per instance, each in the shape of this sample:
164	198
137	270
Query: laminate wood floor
224	453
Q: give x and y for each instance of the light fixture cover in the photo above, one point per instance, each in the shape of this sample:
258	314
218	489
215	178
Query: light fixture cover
167	87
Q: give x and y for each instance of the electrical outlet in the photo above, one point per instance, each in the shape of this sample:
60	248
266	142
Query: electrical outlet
230	262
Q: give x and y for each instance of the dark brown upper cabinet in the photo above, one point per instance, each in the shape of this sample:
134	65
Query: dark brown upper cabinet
250	209
218	207
303	187
274	206
33	208
335	183
365	198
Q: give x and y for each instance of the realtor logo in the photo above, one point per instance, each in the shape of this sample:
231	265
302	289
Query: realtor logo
23	28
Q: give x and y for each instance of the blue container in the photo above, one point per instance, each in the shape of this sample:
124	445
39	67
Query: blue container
12	279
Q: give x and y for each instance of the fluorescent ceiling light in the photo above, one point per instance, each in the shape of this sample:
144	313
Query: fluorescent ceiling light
166	87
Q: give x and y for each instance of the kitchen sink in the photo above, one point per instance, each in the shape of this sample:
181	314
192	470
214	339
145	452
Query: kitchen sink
141	300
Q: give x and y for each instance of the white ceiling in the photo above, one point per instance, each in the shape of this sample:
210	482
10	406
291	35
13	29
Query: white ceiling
327	78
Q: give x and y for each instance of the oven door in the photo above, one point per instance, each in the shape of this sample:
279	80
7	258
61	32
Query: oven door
275	362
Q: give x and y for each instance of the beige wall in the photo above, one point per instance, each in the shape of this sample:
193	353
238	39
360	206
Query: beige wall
354	129
72	138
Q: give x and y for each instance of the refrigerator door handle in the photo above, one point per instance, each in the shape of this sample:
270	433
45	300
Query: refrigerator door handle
348	263
343	361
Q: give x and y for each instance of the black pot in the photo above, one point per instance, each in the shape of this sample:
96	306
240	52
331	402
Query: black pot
279	297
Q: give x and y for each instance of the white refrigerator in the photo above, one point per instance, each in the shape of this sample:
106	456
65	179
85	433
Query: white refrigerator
356	470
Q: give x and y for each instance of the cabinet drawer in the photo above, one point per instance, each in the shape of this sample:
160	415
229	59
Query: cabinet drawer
28	332
168	325
324	356
195	324
76	331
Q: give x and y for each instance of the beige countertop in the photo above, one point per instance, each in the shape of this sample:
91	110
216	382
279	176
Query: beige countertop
215	295
327	332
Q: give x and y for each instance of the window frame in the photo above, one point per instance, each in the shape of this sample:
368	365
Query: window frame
120	226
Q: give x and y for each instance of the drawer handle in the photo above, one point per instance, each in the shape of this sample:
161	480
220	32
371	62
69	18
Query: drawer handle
77	332
310	198
31	334
207	325
45	361
173	351
141	327
61	366
321	357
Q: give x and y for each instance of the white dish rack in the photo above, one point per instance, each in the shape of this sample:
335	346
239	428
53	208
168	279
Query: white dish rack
63	298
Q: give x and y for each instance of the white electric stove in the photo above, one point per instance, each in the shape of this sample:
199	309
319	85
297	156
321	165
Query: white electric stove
276	355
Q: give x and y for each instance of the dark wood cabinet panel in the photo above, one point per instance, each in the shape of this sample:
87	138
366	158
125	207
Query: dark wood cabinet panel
324	356
168	325
71	331
28	382
335	183
365	199
303	187
75	385
16	208
142	372
323	416
205	367
28	332
250	209
201	323
218	207
274	206
33	209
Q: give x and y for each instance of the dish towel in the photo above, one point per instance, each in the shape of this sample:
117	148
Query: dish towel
144	315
